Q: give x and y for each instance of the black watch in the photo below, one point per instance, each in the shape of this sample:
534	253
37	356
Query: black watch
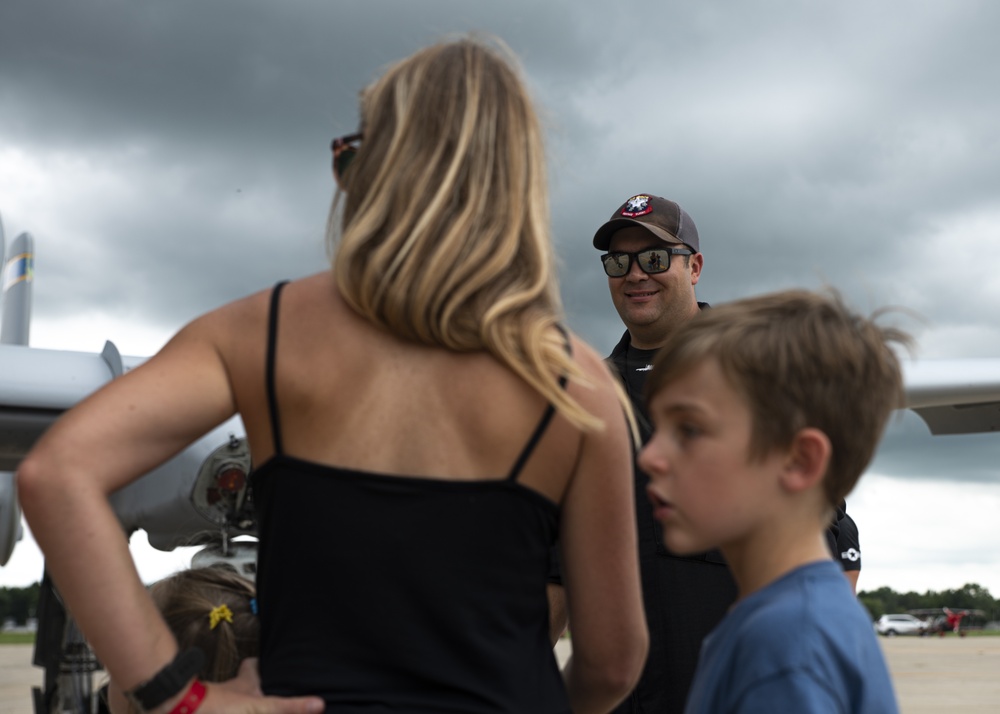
169	680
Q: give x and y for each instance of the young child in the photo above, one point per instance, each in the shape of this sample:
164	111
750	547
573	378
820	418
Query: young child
766	411
214	609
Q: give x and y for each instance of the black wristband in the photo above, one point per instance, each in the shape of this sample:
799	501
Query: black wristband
169	680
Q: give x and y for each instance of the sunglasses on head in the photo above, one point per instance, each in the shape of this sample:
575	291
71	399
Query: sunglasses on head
652	260
344	149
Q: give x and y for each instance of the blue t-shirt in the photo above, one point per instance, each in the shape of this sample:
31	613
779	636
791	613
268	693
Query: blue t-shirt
801	644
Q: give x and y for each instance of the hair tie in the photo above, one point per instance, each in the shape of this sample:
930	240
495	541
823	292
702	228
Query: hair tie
218	614
253	605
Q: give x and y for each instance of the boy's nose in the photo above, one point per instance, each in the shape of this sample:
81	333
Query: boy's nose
653	460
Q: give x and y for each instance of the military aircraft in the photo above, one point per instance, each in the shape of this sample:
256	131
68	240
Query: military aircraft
201	496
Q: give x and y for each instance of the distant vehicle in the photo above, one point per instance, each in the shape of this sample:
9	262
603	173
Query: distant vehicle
892	625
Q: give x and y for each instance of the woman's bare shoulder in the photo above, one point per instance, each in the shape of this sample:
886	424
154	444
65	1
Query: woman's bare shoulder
246	317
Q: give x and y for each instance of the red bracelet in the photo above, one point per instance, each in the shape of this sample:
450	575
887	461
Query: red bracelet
192	700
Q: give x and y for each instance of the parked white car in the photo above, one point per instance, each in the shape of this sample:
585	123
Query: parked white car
892	625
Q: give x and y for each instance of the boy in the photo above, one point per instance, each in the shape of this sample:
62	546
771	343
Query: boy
766	411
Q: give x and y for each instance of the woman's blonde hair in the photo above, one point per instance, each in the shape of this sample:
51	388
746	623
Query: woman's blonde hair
445	233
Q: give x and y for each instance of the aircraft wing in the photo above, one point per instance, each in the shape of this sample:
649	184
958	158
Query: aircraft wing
202	490
190	500
955	396
38	385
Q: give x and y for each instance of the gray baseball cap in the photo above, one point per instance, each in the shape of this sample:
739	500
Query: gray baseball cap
662	217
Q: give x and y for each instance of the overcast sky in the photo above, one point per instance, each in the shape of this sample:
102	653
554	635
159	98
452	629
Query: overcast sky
169	156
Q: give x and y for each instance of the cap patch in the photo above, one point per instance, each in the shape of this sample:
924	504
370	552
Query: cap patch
637	206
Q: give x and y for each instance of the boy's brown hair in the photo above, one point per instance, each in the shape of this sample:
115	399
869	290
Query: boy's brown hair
799	359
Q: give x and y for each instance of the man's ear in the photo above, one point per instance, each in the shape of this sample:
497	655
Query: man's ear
695	266
808	457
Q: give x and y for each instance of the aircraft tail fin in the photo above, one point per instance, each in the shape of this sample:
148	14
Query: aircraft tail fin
3	241
18	276
15	303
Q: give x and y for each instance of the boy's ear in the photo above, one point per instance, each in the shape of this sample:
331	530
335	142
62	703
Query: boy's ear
808	457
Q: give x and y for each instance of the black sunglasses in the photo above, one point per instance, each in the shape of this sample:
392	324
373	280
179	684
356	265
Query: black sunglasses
344	149
652	260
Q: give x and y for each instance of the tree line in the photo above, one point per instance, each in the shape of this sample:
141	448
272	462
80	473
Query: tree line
18	604
968	597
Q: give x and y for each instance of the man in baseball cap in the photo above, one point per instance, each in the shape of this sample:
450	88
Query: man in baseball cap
652	257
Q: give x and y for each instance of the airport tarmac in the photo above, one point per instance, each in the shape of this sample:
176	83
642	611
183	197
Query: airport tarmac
931	674
949	674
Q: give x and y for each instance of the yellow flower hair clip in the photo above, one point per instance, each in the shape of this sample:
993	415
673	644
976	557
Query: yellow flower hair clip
218	614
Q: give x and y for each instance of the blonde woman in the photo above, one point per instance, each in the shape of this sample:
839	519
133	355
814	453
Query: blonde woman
422	431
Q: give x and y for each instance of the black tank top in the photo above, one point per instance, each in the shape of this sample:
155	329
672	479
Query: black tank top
385	593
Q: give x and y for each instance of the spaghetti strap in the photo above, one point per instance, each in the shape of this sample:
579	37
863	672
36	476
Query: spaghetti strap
542	424
272	348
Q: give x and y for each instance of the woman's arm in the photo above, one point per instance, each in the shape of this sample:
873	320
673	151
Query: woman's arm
110	439
600	556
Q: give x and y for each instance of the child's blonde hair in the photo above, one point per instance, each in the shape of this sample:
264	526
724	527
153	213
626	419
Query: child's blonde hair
211	608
